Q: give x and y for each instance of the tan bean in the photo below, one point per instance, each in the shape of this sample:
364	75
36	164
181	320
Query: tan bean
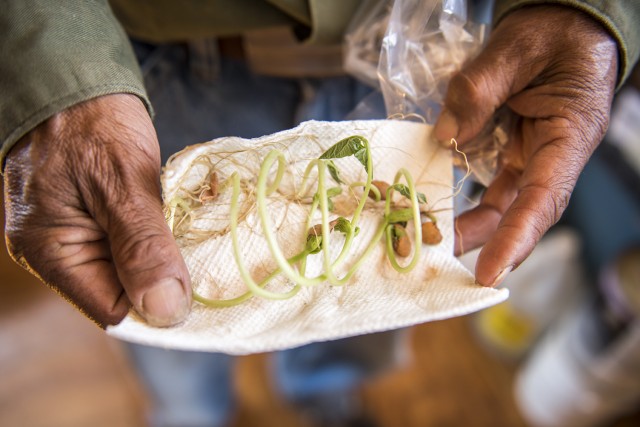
431	233
316	230
382	187
401	242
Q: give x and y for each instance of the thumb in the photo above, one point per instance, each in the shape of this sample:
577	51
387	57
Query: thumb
509	62
473	96
148	262
125	198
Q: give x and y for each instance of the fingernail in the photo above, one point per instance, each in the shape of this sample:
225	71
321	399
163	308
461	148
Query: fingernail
501	276
165	304
446	127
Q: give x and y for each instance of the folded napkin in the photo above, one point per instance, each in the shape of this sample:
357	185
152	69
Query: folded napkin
376	298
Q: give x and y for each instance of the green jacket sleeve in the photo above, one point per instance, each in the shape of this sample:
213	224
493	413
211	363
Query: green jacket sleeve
620	18
55	55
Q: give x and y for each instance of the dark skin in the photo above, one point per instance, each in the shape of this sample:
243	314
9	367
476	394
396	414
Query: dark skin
82	191
83	209
559	77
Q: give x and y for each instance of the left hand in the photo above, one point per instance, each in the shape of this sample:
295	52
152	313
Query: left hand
84	213
556	69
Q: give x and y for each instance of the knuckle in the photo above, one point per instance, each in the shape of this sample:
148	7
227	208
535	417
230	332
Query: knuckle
474	94
537	221
103	313
14	240
553	198
147	251
594	125
466	91
585	106
117	312
23	249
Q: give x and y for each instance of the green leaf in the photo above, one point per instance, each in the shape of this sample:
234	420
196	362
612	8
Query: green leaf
331	192
404	190
351	146
343	225
362	156
334	191
399	216
314	243
334	172
345	147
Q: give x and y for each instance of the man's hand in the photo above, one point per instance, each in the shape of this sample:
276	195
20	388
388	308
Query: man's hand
83	212
556	69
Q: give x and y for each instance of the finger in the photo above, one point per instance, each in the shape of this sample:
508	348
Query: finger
474	227
512	58
148	262
84	272
543	194
123	194
98	293
76	263
56	242
474	94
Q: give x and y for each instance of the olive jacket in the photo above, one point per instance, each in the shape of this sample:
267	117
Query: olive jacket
58	54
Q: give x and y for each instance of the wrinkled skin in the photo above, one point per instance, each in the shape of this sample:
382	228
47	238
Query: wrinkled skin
83	211
82	192
556	69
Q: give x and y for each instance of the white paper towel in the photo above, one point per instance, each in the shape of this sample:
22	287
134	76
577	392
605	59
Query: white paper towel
377	298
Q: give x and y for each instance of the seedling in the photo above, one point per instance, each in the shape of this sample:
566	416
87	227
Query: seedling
378	190
398	217
401	241
430	232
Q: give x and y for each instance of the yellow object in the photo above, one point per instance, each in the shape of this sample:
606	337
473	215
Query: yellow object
506	329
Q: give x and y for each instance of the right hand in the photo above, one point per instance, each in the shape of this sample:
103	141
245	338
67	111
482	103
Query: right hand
84	214
556	69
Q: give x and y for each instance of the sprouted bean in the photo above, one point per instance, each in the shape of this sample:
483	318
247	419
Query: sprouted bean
431	234
401	241
393	225
378	190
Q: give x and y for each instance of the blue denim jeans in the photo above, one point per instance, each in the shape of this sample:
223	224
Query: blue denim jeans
198	96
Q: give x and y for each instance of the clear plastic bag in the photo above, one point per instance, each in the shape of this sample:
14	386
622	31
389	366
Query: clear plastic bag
363	40
424	43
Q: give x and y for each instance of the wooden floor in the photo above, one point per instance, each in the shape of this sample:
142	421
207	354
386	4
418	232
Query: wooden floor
59	370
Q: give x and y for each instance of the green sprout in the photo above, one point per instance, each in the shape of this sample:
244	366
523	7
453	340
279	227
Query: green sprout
319	236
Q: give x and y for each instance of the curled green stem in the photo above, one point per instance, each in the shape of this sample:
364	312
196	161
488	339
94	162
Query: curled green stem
356	216
286	265
255	288
261	197
417	225
222	303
